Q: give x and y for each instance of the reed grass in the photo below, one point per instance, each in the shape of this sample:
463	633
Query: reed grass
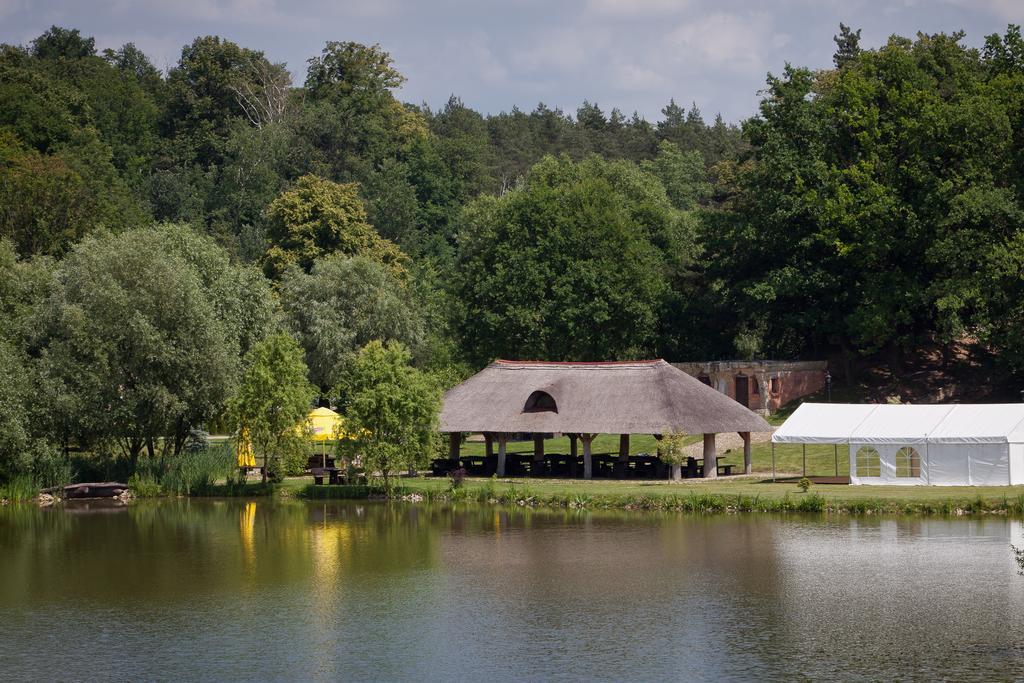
19	489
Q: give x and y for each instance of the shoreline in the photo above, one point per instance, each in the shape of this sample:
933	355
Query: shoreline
737	495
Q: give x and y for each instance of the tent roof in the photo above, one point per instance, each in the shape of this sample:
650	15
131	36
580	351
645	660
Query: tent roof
899	423
822	423
322	422
975	423
634	397
961	423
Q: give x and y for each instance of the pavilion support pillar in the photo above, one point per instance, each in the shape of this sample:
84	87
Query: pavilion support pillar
623	464
574	453
454	444
710	457
588	465
538	454
748	463
502	441
488	444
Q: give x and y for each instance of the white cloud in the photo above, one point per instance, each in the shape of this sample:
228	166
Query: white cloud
638	78
8	7
1007	10
636	8
483	60
562	50
729	42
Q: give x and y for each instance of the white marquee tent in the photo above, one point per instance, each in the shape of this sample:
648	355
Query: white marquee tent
940	445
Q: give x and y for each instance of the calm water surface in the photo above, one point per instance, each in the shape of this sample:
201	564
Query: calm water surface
236	590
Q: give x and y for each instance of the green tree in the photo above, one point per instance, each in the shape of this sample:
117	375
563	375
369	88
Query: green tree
319	217
273	401
572	265
391	411
671	451
682	174
62	43
25	440
341	305
204	92
352	118
142	336
847	45
131	61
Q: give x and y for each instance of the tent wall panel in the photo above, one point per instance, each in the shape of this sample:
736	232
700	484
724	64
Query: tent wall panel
990	465
948	465
1017	463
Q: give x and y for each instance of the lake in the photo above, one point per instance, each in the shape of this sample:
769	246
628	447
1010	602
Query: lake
264	590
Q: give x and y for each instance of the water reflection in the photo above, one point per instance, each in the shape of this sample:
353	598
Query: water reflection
268	590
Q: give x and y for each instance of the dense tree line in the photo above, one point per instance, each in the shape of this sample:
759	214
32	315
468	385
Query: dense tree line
164	235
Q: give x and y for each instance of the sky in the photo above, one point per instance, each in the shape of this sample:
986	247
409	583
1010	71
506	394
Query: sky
630	54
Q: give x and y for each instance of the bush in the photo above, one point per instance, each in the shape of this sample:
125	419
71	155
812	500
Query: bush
51	468
198	440
457	477
804	484
294	460
144	486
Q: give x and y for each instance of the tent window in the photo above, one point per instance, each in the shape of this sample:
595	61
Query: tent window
540	402
908	462
869	463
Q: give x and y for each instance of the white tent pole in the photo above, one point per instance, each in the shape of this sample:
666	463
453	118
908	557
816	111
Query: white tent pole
773	461
927	465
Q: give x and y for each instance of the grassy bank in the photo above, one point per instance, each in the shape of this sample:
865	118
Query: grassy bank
735	495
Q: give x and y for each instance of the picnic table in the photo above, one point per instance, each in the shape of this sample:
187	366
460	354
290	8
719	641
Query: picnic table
333	475
695	467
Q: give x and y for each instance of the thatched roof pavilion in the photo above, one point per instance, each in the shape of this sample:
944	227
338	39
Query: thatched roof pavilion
584	399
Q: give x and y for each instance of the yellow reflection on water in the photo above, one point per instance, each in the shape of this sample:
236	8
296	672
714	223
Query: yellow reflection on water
331	541
247	525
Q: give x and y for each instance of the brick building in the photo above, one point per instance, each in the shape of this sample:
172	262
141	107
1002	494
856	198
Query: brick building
761	385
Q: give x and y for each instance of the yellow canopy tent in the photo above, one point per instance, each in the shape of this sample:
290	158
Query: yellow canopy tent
246	457
324	425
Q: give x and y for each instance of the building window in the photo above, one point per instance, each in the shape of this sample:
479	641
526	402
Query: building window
869	463
705	379
540	402
755	386
773	385
908	462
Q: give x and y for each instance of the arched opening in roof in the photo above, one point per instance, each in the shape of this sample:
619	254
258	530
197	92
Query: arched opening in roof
540	402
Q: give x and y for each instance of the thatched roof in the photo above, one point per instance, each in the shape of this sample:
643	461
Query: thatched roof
636	397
